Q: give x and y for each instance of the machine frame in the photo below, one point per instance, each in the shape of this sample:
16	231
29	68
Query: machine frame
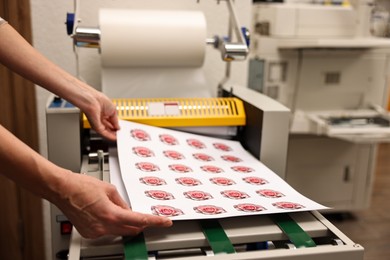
265	135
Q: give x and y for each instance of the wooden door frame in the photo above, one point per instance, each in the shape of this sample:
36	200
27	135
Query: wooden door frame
21	224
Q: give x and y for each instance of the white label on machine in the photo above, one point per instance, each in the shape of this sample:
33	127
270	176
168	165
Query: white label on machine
163	109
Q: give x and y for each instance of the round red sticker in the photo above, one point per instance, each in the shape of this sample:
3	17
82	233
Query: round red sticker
166	211
140	135
143	151
147	167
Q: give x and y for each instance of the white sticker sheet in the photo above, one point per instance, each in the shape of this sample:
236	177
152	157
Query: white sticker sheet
187	176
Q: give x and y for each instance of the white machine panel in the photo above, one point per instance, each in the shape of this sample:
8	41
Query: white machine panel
335	81
306	20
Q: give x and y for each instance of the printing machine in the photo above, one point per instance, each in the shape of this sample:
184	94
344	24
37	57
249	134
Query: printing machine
261	125
322	62
257	237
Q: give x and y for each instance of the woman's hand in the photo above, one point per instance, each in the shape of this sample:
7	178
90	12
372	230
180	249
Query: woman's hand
102	116
95	208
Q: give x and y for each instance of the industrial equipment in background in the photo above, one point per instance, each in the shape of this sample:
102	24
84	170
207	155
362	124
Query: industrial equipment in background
322	62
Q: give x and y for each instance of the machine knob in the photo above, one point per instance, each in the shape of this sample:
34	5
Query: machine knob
69	23
246	34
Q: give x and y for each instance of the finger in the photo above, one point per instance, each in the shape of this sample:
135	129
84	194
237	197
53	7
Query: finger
137	219
108	134
124	230
117	199
108	128
106	123
114	121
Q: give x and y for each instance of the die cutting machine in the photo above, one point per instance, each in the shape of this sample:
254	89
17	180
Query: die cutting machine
258	122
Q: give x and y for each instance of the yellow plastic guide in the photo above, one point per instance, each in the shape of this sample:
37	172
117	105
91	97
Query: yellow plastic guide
180	112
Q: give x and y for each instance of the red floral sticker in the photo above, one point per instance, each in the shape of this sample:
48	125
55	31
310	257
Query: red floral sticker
255	180
197	195
242	169
209	210
173	155
147	167
140	135
152	181
195	143
231	158
188	181
270	193
249	207
168	139
159	195
234	194
203	157
180	168
211	169
287	205
166	211
143	151
222	147
222	181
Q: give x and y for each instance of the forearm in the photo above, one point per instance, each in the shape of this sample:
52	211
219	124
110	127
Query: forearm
17	54
27	168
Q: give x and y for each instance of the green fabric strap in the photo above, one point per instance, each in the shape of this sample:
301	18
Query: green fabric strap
135	248
294	232
216	236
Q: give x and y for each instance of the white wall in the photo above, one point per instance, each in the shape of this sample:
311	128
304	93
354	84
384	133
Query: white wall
50	38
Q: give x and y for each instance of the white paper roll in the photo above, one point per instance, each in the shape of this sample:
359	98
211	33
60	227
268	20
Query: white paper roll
139	38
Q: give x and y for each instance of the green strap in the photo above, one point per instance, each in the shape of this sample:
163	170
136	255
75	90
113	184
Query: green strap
135	248
294	232
216	236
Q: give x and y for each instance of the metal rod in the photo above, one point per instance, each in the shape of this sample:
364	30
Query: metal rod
87	37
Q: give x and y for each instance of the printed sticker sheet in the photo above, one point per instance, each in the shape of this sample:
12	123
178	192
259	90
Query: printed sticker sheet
187	176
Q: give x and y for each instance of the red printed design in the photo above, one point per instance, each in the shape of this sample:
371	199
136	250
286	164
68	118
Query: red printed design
209	210
173	155
230	158
196	143
222	147
211	169
180	168
166	211
143	151
270	193
222	181
249	207
255	180
147	167
152	181
203	157
197	195
242	169
159	195
140	135
188	181
168	139
234	194
287	205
